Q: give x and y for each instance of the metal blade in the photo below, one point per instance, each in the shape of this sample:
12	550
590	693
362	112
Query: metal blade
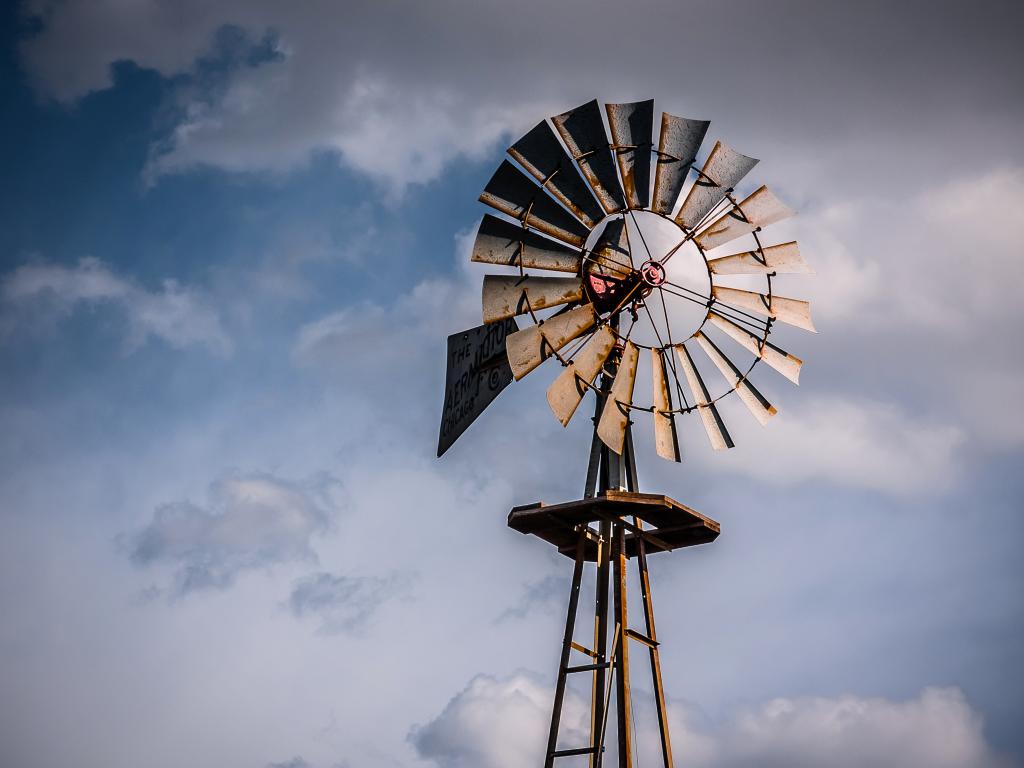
583	133
510	295
791	311
567	391
611	252
713	424
666	441
780	259
615	414
759	210
478	371
543	157
631	126
531	346
783	362
678	146
502	242
513	193
722	171
754	400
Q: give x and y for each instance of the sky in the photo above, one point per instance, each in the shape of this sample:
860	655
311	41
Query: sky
234	238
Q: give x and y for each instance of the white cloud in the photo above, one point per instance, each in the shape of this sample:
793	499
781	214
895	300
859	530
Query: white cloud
853	442
252	521
499	724
941	261
41	294
503	724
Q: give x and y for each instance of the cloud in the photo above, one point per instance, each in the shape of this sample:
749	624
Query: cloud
850	441
38	295
538	594
295	762
343	603
498	724
454	80
503	724
252	521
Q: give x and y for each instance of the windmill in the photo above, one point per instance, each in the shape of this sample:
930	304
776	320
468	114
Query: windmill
608	264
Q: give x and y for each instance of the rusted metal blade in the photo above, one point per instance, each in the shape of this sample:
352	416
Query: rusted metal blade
759	210
615	415
783	362
713	424
791	311
781	259
531	346
510	295
631	126
583	133
722	171
478	371
543	157
503	242
677	147
611	251
567	391
513	193
754	400
666	442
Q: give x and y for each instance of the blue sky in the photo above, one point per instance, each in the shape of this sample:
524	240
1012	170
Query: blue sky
234	239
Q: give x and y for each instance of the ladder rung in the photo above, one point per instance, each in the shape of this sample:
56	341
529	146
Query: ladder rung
587	667
642	638
570	752
583	649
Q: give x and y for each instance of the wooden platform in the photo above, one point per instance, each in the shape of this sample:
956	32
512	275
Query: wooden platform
667	524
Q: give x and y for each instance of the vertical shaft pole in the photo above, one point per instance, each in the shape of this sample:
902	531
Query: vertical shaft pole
563	664
623	705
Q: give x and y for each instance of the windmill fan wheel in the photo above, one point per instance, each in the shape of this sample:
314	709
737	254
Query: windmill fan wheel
641	258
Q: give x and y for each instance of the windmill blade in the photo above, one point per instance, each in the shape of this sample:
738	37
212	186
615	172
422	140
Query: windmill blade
611	252
513	193
678	146
477	372
754	400
615	414
506	296
666	442
783	362
631	126
790	311
583	133
502	242
713	424
759	210
782	259
722	171
567	391
531	346
543	158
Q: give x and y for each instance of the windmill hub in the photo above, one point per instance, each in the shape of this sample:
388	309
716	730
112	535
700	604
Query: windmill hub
653	273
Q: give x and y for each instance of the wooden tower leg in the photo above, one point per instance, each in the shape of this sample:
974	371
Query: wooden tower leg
563	665
597	691
622	692
652	648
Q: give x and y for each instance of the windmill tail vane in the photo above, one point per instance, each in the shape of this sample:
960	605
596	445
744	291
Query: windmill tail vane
624	259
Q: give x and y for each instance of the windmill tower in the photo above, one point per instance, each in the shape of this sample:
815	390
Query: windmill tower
657	268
